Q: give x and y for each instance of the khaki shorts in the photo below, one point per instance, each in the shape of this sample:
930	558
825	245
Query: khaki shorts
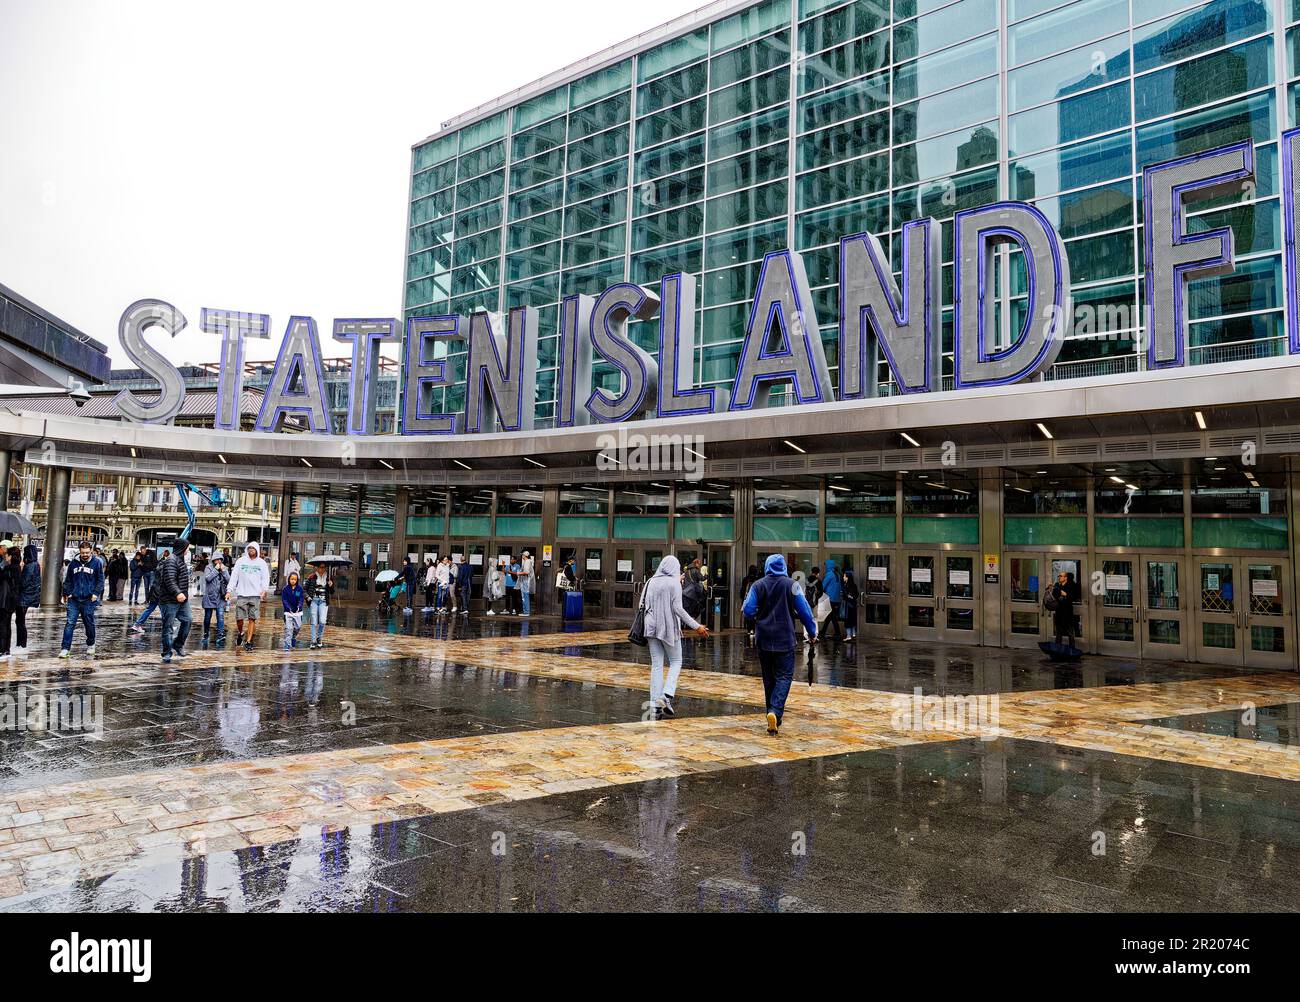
248	608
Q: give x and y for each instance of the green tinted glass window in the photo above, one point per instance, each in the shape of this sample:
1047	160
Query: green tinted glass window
667	227
664	193
839	142
600	211
750	23
750	95
673	54
671	123
749	206
749	60
859	18
749	169
600	84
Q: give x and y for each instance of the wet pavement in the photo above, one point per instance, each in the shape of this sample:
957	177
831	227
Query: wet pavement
500	764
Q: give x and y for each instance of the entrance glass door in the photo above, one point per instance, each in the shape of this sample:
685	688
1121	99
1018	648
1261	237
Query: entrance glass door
633	566
1028	579
1164	616
942	600
876	595
1243	614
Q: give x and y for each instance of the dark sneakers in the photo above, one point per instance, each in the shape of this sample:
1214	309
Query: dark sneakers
668	710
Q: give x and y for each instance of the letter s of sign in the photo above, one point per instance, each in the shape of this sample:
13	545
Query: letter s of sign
130	332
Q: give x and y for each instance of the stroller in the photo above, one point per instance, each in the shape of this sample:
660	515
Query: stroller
390	590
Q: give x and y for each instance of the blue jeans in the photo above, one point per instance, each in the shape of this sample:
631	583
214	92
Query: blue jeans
444	592
220	611
137	588
174	613
84	609
660	652
528	602
148	611
778	673
320	612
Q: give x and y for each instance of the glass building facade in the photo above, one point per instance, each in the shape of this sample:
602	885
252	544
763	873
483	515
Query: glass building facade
791	123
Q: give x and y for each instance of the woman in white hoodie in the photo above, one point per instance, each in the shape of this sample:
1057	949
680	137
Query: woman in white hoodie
664	619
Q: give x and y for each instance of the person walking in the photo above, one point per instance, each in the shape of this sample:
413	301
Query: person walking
117	573
137	576
292	566
1066	592
664	618
442	575
465	584
174	595
318	590
775	603
561	589
83	590
150	569
215	579
430	581
832	588
693	594
512	587
10	588
29	593
250	580
850	593
527	580
293	599
409	579
496	587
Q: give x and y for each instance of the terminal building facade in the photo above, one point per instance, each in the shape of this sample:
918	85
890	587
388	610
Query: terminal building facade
750	128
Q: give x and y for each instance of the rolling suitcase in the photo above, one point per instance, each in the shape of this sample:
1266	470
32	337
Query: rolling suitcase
573	605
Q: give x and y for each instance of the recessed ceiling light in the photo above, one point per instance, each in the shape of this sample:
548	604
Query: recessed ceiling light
910	440
1043	428
1200	420
1118	480
534	462
222	458
133	452
793	446
462	465
383	462
308	465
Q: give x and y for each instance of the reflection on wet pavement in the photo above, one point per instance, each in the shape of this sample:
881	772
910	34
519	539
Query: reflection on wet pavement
421	765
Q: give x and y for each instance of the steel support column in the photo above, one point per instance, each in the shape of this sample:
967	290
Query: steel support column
56	535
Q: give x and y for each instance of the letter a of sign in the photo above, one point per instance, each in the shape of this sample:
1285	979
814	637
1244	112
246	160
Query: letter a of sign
782	339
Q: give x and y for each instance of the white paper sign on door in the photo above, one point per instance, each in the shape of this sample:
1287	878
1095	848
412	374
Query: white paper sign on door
959	577
1264	587
476	559
593	563
921	575
625	566
877	573
1117	582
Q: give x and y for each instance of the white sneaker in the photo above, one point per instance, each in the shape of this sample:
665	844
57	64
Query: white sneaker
90	651
65	654
491	612
20	650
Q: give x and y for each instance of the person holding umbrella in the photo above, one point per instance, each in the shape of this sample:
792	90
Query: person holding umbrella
319	589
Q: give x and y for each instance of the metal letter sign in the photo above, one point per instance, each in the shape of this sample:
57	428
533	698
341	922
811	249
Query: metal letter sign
366	336
898	318
1174	257
233	326
506	366
297	382
782	339
906	325
608	326
976	232
130	332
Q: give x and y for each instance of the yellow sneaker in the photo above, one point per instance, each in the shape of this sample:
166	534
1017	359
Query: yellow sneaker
771	724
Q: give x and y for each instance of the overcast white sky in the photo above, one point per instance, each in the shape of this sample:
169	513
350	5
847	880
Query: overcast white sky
246	155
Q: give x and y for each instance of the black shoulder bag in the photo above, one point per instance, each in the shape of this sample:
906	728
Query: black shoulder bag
636	634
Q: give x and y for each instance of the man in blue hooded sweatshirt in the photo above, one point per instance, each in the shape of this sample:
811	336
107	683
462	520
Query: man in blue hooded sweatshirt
831	588
773	602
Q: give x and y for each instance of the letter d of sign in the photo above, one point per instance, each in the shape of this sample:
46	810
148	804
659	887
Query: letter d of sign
506	366
782	339
130	331
640	379
1173	257
976	233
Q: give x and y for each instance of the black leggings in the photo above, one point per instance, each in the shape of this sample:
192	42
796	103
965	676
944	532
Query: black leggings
7	617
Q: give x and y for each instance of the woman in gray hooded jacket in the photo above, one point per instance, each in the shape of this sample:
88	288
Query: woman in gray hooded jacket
664	619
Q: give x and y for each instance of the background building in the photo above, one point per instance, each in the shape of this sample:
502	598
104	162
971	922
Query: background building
751	127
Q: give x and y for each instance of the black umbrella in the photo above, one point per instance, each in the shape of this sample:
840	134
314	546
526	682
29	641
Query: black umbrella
13	524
